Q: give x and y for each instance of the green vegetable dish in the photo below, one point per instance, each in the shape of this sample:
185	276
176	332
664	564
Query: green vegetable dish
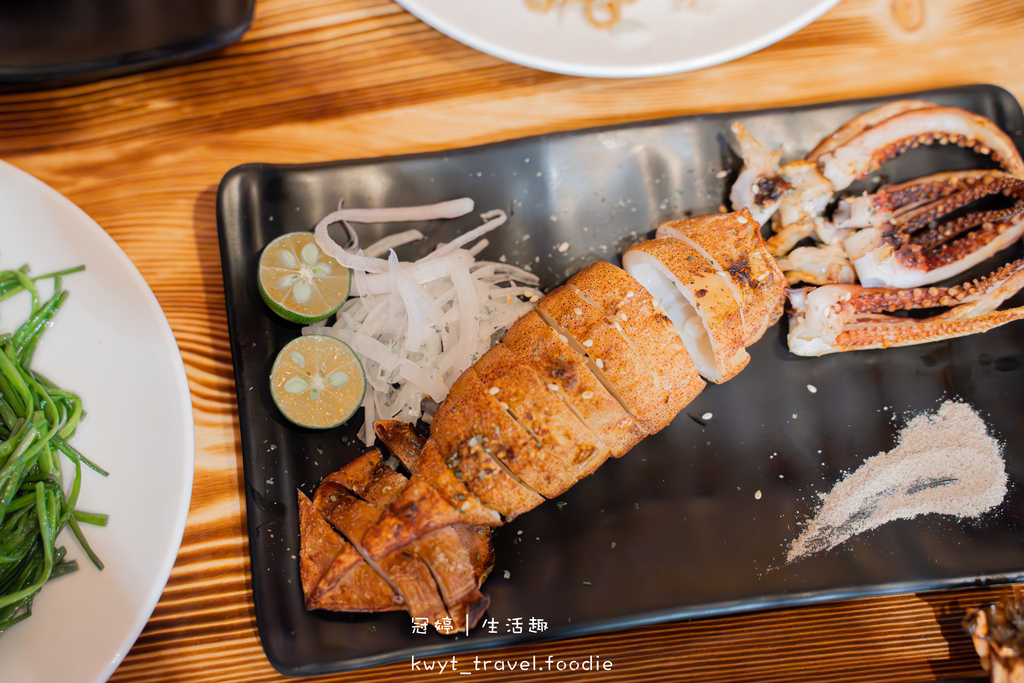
37	419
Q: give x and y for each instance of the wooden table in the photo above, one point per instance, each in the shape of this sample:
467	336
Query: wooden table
331	79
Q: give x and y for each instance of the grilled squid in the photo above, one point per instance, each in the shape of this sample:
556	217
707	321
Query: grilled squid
837	318
608	358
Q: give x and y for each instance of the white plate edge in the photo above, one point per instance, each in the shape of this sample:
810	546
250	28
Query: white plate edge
584	70
184	396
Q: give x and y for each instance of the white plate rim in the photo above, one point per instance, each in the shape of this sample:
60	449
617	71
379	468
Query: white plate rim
120	643
421	9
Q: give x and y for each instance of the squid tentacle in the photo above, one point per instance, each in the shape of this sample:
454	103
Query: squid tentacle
838	318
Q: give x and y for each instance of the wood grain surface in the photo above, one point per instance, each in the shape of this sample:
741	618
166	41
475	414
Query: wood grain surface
318	80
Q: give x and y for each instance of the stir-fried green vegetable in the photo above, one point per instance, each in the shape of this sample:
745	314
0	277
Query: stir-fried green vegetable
36	420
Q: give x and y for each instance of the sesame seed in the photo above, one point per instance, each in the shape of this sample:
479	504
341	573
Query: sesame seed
757	494
722	174
599	363
623	316
563	247
493	390
706	416
553	387
630	294
578	311
587	395
742	221
565	340
588	343
811	388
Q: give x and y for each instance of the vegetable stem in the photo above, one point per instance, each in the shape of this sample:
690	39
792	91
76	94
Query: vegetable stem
37	419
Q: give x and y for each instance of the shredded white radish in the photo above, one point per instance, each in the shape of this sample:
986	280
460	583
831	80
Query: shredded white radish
405	214
494	219
358	261
390	242
417	326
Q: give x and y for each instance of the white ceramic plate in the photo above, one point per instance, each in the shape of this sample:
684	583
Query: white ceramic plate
111	344
653	37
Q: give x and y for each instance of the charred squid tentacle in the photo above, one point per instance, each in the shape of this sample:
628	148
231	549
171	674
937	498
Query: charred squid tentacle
915	193
866	151
893	201
848	317
876	300
919	247
863	122
943	235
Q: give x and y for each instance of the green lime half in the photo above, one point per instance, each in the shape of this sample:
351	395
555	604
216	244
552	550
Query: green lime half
299	281
317	381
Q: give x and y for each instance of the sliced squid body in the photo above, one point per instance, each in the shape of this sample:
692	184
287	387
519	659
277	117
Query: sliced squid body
437	576
649	333
638	376
732	242
575	376
604	360
697	299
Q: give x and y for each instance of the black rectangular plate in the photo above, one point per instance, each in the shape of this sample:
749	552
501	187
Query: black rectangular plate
673	529
48	43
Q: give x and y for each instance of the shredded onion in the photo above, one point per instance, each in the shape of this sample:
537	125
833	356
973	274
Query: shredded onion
417	326
392	242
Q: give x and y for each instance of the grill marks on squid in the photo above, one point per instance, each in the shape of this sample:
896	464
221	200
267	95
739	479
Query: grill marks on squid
563	362
436	577
943	231
598	366
567	450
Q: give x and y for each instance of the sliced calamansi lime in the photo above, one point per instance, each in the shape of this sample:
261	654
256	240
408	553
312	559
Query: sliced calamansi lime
317	381
299	281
